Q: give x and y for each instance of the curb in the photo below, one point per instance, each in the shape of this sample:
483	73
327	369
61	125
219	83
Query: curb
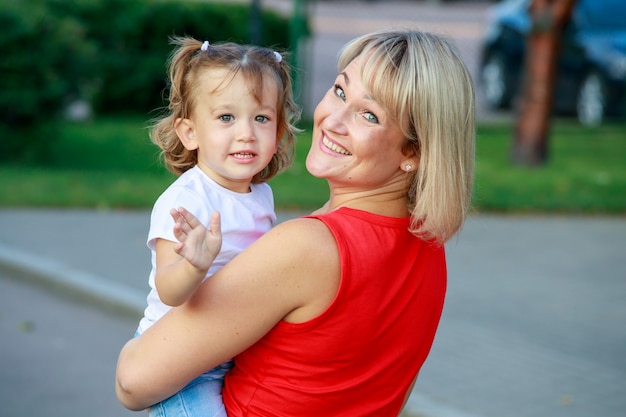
87	287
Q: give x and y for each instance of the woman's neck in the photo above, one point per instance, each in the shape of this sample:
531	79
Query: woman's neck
391	204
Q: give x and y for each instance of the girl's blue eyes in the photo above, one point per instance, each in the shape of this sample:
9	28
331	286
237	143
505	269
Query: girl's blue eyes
369	116
230	118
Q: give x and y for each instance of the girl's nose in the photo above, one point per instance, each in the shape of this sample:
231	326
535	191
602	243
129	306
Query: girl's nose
245	132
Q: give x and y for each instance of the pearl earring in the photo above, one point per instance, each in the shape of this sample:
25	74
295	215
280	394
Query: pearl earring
407	167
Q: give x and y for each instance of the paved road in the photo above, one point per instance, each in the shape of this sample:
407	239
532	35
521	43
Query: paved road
57	355
533	323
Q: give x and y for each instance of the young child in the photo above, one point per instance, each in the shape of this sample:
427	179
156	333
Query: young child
228	129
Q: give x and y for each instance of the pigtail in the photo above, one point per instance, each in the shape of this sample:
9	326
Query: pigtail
176	157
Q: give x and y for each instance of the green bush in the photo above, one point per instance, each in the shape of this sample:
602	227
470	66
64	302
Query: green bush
109	53
135	44
46	63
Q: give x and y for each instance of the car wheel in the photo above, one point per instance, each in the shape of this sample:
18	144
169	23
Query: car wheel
591	101
494	82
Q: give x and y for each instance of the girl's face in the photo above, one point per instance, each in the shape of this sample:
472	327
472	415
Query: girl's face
355	143
235	136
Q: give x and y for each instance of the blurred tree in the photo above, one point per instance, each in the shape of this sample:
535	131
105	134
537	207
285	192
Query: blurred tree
533	122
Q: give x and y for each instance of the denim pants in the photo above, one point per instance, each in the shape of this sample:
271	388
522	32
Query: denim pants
202	397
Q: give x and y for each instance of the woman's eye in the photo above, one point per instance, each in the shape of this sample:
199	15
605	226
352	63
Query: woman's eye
339	92
261	119
226	118
371	117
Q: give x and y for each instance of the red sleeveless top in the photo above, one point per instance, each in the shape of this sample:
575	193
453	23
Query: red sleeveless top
359	357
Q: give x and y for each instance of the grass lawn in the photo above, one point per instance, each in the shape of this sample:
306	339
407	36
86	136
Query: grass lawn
110	163
586	171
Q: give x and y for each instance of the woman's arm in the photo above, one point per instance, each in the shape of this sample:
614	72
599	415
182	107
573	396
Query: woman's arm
408	393
290	273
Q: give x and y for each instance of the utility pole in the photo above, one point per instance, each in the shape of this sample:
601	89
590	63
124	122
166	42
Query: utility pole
530	144
297	32
255	23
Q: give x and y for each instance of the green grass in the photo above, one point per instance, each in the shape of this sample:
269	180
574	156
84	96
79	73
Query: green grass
585	173
110	163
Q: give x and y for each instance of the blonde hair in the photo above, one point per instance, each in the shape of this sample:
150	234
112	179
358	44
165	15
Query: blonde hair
185	67
422	83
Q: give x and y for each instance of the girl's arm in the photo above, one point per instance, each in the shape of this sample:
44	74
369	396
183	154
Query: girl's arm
181	267
291	273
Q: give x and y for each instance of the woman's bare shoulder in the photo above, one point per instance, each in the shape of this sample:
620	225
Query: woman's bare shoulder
301	241
304	227
296	264
308	247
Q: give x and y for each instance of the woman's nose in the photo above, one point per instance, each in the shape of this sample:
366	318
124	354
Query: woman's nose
335	120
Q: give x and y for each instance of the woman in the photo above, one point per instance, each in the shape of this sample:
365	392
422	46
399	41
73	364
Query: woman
334	314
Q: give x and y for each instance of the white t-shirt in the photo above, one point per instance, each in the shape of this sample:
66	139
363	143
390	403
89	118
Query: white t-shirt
244	218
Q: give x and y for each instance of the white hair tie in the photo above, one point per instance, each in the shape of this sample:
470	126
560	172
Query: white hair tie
278	57
205	46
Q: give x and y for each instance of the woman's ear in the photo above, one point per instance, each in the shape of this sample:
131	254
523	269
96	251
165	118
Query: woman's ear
186	133
411	159
409	163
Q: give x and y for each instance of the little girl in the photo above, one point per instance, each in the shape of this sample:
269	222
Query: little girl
229	128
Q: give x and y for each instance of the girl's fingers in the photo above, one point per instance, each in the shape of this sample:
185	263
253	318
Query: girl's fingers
189	218
215	223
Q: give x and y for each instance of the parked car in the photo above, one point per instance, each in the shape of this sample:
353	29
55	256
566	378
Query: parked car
591	66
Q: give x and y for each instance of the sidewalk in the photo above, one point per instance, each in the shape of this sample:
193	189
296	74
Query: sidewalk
533	324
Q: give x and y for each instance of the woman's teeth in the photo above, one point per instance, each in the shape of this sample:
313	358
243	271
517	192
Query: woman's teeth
334	147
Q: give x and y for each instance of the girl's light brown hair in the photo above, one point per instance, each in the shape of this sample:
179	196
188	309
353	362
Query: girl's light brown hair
185	67
422	82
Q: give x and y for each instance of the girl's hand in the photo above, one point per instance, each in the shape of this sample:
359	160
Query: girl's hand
197	244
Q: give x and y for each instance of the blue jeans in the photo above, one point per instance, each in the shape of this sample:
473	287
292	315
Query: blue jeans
202	397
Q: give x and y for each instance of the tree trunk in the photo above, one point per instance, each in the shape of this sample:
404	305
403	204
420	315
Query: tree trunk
530	146
255	34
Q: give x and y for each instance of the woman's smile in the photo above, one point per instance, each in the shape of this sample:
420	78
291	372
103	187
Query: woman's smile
334	147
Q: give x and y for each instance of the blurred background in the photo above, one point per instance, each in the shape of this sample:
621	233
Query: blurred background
81	81
533	324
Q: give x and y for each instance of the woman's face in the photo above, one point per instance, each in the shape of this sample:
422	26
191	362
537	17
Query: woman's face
355	142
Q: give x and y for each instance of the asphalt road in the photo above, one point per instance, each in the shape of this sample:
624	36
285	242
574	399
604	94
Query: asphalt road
57	354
